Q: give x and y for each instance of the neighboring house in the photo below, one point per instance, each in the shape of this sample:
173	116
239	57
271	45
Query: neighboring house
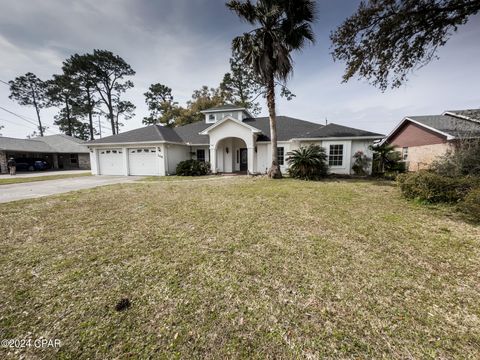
229	138
422	139
60	151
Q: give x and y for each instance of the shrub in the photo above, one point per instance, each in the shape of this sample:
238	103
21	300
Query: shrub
192	168
433	188
308	163
360	165
471	204
463	161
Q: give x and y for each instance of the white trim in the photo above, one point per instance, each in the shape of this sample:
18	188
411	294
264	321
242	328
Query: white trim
449	137
338	138
222	110
226	118
464	117
137	142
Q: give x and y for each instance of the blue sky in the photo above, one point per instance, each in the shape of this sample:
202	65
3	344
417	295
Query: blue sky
186	44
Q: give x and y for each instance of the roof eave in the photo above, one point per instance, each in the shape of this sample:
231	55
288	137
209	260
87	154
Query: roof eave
448	136
218	123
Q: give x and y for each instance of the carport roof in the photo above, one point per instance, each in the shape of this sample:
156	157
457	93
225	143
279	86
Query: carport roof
26	145
47	144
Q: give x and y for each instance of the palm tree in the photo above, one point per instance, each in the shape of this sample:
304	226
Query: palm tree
308	163
282	27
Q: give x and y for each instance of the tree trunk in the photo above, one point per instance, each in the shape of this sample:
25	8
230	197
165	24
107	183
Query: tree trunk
274	171
40	127
110	113
90	115
69	120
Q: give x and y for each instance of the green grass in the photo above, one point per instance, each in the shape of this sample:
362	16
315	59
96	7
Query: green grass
18	180
240	268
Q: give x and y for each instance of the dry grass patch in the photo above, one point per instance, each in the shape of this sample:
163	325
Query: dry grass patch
240	268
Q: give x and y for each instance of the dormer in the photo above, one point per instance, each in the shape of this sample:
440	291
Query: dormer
218	113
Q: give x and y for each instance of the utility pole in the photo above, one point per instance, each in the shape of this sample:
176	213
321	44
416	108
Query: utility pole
99	126
326	121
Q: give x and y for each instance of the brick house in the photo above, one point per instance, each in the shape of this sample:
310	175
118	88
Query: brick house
422	139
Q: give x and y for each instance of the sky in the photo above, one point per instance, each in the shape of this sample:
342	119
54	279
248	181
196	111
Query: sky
185	44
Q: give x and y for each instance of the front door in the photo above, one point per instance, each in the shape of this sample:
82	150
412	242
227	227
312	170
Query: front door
243	159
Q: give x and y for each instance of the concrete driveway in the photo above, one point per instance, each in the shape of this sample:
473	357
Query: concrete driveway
32	190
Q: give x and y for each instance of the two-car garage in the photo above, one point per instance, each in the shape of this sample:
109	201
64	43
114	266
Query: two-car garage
131	161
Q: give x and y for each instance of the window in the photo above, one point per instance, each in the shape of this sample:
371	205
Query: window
335	156
201	155
281	155
73	159
211	117
405	153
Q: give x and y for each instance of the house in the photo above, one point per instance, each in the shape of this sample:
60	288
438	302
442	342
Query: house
229	138
59	151
422	139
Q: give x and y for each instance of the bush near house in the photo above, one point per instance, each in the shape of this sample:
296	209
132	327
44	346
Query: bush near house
427	186
471	204
308	163
464	161
193	168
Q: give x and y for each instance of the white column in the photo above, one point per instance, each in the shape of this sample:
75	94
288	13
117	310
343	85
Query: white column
94	162
250	159
213	159
125	161
161	160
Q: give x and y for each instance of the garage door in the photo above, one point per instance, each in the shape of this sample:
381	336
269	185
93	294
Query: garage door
111	162
143	161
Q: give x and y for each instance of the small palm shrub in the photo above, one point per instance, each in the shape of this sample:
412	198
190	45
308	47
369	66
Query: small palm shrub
192	168
360	164
307	163
386	161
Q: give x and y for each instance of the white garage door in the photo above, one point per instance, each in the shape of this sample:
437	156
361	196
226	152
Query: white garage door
111	161
143	161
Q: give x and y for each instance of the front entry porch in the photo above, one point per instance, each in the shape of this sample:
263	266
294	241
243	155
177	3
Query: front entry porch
231	155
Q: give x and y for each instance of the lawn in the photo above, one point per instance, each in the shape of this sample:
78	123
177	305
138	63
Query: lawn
239	268
7	180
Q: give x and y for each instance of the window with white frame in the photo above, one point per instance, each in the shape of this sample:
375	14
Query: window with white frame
405	153
211	117
281	155
335	155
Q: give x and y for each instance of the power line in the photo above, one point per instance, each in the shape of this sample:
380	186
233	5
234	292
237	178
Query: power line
18	124
24	119
6	83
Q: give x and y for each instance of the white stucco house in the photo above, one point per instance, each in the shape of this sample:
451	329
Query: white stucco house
229	138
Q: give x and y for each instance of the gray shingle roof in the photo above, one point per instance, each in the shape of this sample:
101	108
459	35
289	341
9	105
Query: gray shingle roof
450	125
47	144
334	130
62	143
473	114
190	133
287	128
149	133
